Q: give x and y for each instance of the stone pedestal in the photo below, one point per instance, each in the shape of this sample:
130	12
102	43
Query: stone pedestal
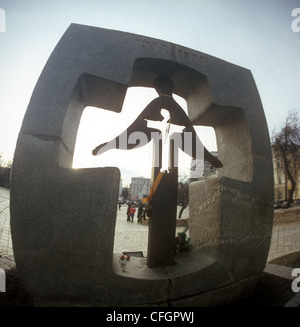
162	224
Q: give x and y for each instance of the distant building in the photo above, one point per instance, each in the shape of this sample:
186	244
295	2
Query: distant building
208	168
139	188
203	170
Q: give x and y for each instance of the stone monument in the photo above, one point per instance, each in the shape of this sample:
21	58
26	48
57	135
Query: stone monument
63	219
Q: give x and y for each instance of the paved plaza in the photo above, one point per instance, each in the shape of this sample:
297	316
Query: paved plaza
134	237
285	239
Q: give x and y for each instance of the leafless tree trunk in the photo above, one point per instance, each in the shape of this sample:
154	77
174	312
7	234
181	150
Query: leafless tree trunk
286	145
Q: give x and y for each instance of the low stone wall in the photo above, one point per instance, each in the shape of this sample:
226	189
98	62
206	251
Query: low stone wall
289	215
281	216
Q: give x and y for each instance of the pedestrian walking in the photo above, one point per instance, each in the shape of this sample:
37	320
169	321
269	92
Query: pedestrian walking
132	212
128	212
140	213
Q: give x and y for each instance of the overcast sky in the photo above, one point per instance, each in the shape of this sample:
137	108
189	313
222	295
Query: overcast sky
255	34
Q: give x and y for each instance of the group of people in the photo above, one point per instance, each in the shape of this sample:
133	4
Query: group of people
141	214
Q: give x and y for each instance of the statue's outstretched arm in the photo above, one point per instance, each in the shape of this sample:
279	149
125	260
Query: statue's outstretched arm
125	141
179	117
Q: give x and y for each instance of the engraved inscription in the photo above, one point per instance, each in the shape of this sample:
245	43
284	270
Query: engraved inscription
178	53
152	45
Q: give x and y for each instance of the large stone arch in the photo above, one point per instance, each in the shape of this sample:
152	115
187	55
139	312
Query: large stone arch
63	220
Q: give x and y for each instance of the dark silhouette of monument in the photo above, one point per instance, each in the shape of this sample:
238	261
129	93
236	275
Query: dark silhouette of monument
164	88
63	219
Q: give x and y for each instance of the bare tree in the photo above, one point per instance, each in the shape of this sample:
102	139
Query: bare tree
125	193
286	145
